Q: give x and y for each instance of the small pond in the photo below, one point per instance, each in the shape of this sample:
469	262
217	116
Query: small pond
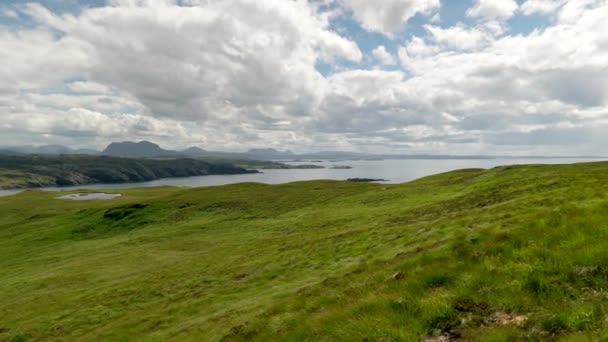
89	196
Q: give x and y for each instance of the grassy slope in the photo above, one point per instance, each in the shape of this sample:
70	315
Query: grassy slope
315	260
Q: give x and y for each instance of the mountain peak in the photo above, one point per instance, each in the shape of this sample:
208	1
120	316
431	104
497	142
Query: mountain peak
130	148
194	149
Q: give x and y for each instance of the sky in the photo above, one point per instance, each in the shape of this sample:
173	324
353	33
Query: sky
461	77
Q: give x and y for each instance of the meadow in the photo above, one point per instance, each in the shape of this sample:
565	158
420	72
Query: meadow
507	254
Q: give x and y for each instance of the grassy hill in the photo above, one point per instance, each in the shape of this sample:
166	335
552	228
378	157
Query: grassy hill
508	254
20	171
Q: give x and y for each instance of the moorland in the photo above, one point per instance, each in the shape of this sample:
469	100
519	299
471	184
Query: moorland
506	254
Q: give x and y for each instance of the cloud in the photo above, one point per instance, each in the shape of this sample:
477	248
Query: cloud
516	81
220	74
79	122
493	9
214	61
460	37
242	60
542	137
572	10
85	87
9	13
389	16
545	7
33	58
383	56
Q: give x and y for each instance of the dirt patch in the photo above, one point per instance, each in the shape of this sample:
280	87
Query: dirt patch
440	338
509	319
244	331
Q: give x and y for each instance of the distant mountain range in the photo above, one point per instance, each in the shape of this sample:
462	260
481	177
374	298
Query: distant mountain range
141	149
146	149
46	150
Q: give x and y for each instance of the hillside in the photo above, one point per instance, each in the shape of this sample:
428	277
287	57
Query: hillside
19	171
513	253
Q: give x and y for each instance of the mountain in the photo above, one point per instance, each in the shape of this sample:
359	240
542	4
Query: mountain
86	151
269	153
45	150
150	149
193	151
136	149
9	151
53	149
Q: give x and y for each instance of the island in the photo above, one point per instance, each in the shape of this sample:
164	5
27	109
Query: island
366	180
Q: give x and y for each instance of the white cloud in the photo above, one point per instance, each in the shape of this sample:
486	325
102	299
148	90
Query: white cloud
85	87
221	75
572	10
9	13
34	58
541	6
460	37
216	62
80	122
493	9
383	56
418	47
538	81
389	16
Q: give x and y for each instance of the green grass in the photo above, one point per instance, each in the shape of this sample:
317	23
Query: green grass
10	179
508	254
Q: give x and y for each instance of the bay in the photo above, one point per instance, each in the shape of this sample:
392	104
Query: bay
394	171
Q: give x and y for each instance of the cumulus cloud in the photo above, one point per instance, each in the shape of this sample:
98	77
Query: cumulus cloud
203	61
86	87
530	81
220	74
9	13
190	61
572	10
460	37
383	56
493	9
541	6
389	16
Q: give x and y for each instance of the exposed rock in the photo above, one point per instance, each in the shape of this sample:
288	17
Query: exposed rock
506	319
586	270
397	275
440	338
